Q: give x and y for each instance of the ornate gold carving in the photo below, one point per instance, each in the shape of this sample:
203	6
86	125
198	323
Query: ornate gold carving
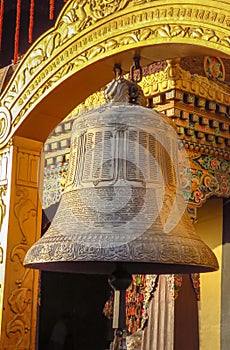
84	13
2	205
1	256
27	168
174	77
19	300
5	123
20	297
3	184
24	211
91	30
108	45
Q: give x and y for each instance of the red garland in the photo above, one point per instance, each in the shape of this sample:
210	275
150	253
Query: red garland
51	10
1	21
17	31
31	24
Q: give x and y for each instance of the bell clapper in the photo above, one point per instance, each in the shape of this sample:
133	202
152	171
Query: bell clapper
120	280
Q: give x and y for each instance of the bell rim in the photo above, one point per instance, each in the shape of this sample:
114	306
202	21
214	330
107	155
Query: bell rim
107	268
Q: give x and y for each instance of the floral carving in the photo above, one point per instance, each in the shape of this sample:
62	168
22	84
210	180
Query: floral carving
86	12
21	296
24	211
108	45
205	185
5	123
212	163
211	178
39	71
2	205
225	41
19	300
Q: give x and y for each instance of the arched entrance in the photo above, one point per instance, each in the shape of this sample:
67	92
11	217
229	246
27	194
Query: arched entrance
61	69
86	42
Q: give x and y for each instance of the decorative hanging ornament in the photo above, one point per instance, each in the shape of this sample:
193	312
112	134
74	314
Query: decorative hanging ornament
17	31
51	16
1	21
31	22
18	22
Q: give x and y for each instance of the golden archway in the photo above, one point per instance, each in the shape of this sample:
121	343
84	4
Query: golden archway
61	69
65	65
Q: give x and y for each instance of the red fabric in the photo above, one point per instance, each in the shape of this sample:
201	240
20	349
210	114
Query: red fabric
1	21
17	31
31	23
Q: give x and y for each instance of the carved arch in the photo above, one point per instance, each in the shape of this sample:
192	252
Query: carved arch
76	57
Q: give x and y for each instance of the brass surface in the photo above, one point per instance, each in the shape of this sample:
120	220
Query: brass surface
96	226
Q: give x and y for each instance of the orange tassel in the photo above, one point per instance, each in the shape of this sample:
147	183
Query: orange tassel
31	24
17	31
51	10
1	21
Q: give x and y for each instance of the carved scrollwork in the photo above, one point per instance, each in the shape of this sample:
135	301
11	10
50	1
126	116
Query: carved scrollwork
79	15
174	74
18	253
136	36
18	300
5	123
2	205
84	13
24	211
20	297
56	55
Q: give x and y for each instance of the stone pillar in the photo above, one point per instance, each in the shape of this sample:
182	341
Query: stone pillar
20	226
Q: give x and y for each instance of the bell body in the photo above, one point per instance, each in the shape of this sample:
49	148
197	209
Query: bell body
122	202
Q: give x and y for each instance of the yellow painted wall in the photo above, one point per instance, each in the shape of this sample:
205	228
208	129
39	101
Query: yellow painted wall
209	227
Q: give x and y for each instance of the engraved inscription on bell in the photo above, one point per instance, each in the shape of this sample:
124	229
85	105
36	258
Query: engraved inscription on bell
122	201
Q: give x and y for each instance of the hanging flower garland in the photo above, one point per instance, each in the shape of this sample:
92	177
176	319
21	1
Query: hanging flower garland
195	278
18	20
31	23
135	297
17	31
1	21
51	10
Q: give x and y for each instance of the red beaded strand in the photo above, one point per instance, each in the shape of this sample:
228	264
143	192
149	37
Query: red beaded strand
1	21
18	20
51	10
31	23
17	31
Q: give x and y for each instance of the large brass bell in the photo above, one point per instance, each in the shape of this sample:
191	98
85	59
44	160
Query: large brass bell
122	204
